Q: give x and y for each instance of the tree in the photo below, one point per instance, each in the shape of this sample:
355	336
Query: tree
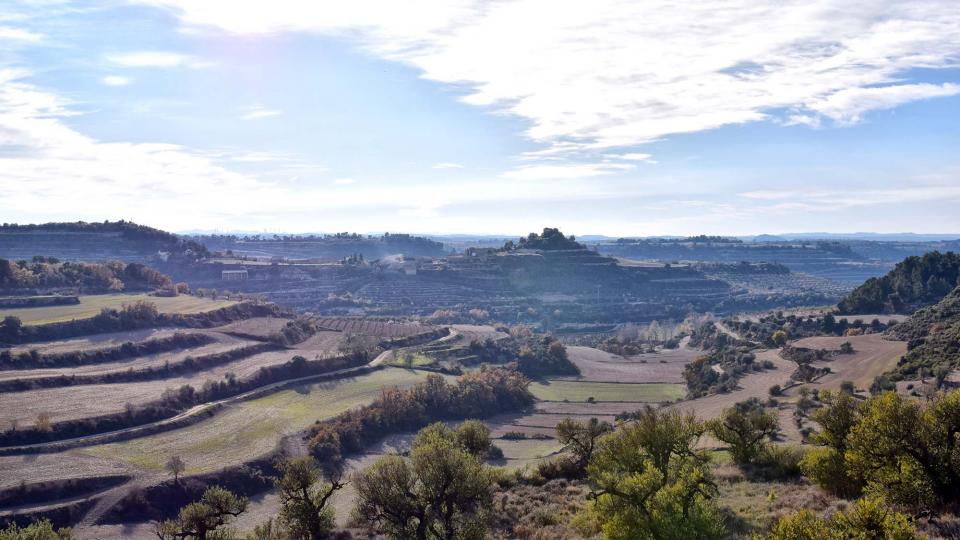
304	499
745	427
779	338
907	452
650	481
441	492
175	466
826	465
42	423
846	348
474	436
580	439
38	530
203	519
868	518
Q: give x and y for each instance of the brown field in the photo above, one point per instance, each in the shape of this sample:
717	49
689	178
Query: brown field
369	327
75	402
32	468
97	341
662	367
91	305
756	384
872	356
478	332
223	343
261	327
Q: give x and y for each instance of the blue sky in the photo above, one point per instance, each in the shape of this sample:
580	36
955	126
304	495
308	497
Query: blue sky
621	118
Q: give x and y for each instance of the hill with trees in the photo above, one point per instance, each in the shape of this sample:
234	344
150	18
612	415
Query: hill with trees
46	273
913	283
109	240
933	336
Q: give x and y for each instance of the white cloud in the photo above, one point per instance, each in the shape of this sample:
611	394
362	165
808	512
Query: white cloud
848	106
115	80
448	166
633	156
158	59
18	34
256	113
565	172
621	73
344	181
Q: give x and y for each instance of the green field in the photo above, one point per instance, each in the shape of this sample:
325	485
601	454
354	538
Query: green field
250	429
607	391
92	304
521	452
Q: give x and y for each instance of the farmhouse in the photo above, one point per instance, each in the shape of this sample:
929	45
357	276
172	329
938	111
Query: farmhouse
234	275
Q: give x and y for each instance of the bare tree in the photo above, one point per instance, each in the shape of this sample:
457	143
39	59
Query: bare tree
175	466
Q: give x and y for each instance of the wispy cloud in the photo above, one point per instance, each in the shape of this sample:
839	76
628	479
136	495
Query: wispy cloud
155	59
448	166
115	80
8	33
257	113
565	172
688	67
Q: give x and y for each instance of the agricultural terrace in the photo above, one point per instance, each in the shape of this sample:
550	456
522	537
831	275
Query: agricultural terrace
91	305
372	327
250	429
872	356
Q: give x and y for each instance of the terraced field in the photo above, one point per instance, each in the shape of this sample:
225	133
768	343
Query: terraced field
99	399
873	355
564	390
661	367
92	305
252	428
372	327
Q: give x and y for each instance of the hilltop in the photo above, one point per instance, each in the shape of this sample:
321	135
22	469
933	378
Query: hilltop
109	240
913	283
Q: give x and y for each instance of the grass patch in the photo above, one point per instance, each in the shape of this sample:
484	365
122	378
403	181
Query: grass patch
418	360
252	428
607	391
521	452
91	305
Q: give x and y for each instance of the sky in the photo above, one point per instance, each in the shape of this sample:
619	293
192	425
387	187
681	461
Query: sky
613	117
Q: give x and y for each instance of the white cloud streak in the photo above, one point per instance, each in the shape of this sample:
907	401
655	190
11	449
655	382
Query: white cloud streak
258	113
620	73
115	80
155	59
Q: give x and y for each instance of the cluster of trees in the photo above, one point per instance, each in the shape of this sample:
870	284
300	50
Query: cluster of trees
475	395
724	363
549	239
34	359
933	335
534	355
794	326
913	282
49	273
889	446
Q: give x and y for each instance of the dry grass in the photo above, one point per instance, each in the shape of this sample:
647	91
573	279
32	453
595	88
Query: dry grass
223	344
560	390
755	384
872	356
252	428
75	402
93	304
662	367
